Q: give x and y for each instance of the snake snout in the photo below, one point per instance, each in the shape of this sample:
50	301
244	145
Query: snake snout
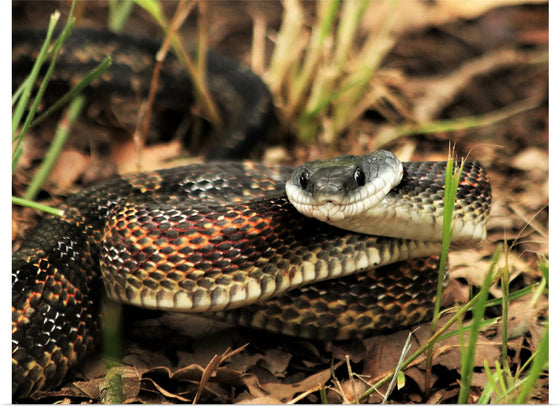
328	194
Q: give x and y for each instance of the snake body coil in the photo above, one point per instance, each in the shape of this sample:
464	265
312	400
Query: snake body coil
213	237
223	238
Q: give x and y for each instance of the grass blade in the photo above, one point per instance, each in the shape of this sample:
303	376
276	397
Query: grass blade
75	91
31	79
491	385
540	362
118	14
60	137
467	355
452	178
435	337
26	92
36	205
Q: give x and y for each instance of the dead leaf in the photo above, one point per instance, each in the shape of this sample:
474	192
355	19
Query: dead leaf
285	392
276	361
260	400
354	349
151	158
440	396
532	158
68	168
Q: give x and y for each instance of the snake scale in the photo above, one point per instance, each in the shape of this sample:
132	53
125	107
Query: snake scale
224	238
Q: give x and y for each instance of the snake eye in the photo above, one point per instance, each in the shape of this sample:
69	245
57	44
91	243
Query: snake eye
303	179
359	177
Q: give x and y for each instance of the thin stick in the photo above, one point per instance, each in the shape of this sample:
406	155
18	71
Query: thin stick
141	133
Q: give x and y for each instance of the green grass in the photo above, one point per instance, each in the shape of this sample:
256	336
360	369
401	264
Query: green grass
21	100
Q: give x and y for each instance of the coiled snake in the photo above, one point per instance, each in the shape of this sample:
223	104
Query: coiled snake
223	237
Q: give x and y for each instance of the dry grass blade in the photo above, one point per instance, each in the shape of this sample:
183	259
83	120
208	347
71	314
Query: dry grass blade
211	367
145	113
406	348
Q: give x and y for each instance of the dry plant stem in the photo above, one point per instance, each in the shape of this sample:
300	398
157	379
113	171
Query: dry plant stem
258	47
391	133
140	135
326	12
338	386
288	45
201	90
529	221
202	42
367	64
305	394
211	368
351	377
439	92
203	95
208	370
167	393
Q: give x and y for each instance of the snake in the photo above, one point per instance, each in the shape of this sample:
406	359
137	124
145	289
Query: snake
329	250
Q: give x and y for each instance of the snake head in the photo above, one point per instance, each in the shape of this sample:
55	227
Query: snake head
343	187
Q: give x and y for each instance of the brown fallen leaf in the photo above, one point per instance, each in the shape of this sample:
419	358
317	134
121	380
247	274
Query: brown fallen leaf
530	159
68	168
151	158
276	361
284	392
259	400
95	388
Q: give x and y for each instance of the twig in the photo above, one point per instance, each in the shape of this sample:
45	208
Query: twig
438	92
141	131
305	394
406	348
211	368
